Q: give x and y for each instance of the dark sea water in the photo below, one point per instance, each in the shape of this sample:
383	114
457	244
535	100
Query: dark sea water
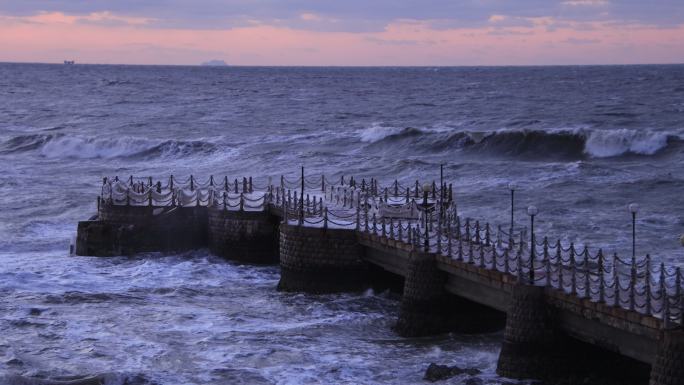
581	142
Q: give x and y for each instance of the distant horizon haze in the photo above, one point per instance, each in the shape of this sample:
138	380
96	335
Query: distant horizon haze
325	33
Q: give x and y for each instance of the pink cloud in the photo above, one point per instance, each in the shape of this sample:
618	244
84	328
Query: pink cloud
108	38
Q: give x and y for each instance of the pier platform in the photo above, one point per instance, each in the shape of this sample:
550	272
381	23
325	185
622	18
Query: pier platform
458	273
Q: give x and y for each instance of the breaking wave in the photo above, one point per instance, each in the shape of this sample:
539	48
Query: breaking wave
554	143
80	147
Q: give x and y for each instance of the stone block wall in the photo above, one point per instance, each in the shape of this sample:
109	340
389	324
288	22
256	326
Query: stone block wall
529	349
668	368
317	260
246	236
424	305
126	230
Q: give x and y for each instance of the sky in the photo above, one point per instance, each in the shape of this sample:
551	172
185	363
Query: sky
343	32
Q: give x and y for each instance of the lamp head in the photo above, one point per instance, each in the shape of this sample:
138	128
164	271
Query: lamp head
532	210
512	186
427	187
634	208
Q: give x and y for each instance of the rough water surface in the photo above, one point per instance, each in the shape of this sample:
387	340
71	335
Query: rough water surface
581	142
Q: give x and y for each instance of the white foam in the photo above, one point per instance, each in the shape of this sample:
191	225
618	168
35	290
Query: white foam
91	148
377	132
608	143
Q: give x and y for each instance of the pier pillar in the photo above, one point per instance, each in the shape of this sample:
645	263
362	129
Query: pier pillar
529	348
668	367
245	236
318	260
424	309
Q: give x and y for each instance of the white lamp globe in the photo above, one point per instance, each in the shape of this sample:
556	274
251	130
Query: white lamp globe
512	186
532	210
634	208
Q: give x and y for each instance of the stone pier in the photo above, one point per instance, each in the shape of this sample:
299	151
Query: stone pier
668	368
529	348
456	276
245	236
424	309
318	260
126	230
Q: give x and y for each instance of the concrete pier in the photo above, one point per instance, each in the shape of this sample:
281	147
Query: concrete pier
457	274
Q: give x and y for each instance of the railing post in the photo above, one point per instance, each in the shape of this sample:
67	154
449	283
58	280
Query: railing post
192	183
602	282
449	245
391	228
365	213
559	262
225	206
547	262
632	283
616	282
663	286
587	282
665	307
678	295
242	202
647	284
236	186
383	232
487	235
573	270
149	197
483	263
506	256
211	180
374	224
244	185
325	218
400	230
439	240
251	187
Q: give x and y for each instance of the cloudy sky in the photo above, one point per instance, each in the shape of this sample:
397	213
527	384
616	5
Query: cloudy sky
343	32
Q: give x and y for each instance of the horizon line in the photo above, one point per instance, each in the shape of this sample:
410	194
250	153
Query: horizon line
227	65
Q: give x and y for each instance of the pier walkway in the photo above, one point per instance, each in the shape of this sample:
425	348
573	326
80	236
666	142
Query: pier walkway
327	234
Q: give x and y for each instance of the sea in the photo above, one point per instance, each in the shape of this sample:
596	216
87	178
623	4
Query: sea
580	142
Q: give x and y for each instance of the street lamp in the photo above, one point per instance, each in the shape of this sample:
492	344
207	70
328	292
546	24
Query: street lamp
532	211
634	209
512	186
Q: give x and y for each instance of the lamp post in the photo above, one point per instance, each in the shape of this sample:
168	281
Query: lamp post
512	186
634	209
532	211
426	189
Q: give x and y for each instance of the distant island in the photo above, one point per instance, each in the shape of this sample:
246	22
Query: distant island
215	63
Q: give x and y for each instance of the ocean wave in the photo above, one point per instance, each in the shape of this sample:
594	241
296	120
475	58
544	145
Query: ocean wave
551	143
80	147
377	133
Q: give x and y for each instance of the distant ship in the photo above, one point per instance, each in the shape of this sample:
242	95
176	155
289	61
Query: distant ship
69	62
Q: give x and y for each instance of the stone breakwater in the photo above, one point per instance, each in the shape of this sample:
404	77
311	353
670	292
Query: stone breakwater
457	276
